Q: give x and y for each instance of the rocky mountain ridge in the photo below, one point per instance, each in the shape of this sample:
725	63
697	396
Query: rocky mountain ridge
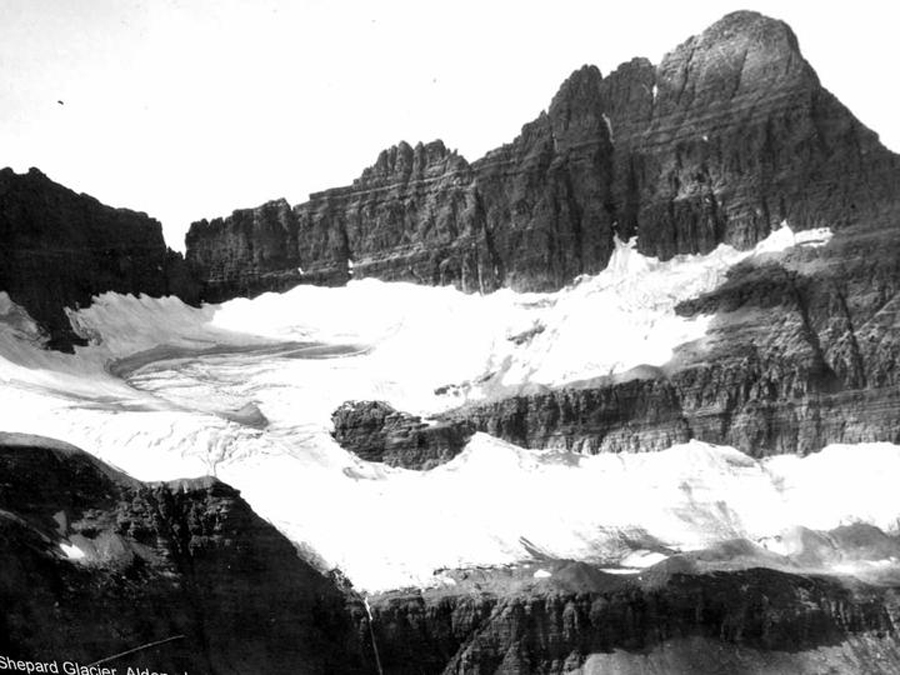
669	619
729	136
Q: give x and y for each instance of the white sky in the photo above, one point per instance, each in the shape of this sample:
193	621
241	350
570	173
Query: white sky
192	108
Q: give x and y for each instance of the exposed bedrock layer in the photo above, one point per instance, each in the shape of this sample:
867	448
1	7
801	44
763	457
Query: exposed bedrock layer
376	432
671	619
58	249
187	560
730	135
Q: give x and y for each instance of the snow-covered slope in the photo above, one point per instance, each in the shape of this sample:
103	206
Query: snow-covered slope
245	391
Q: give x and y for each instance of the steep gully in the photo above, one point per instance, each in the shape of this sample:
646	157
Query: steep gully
729	136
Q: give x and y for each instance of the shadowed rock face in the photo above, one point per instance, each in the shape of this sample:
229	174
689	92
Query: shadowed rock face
531	215
261	245
59	248
375	432
730	135
186	560
671	617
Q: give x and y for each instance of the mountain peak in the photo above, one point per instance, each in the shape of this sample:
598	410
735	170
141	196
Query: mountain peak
583	85
403	159
744	54
748	27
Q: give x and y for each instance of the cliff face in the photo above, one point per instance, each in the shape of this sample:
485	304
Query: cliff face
531	215
665	620
59	249
260	252
546	196
95	564
411	217
729	136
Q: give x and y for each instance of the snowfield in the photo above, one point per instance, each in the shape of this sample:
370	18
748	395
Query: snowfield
245	391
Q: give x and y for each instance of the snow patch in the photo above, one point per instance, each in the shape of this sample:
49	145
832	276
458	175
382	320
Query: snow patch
641	558
609	128
784	237
71	551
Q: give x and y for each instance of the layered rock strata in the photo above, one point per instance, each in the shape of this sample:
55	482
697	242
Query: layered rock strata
729	136
95	564
58	249
376	432
802	352
672	618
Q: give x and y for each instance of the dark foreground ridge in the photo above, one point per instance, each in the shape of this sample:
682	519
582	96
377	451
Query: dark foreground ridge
671	619
186	560
188	575
729	136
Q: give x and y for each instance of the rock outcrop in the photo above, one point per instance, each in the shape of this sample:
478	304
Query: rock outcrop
94	564
672	618
729	136
58	249
376	432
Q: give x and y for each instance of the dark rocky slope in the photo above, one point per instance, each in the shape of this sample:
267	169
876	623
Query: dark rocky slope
733	133
187	573
187	560
58	249
376	432
730	135
673	618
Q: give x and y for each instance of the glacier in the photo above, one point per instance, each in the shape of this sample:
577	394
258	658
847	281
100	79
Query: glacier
245	390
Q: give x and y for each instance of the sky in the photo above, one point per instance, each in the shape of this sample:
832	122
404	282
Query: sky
189	109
